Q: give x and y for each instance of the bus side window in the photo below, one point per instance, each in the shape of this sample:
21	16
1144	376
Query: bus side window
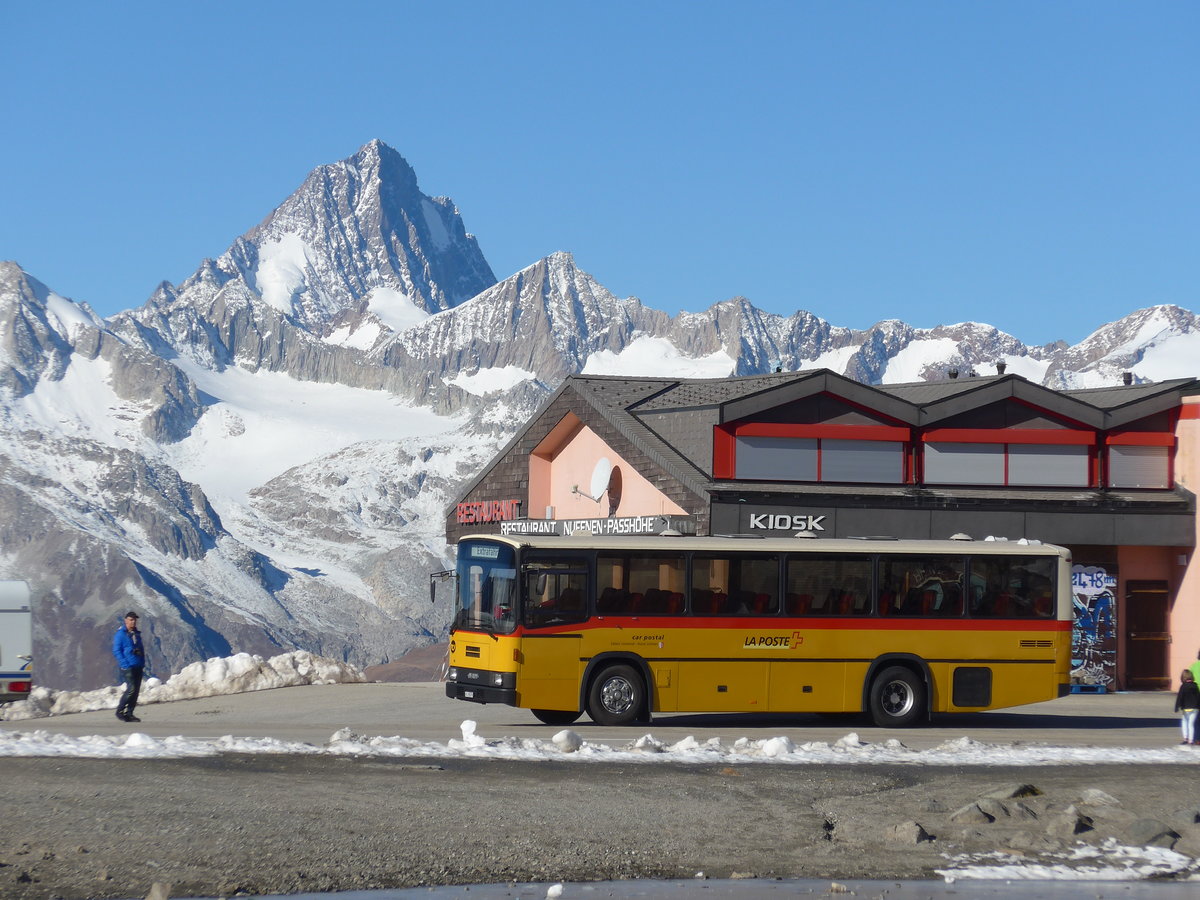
829	585
1012	587
649	585
928	586
554	598
735	585
710	586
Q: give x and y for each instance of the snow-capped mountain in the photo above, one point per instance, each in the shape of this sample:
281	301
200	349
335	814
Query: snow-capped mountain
259	458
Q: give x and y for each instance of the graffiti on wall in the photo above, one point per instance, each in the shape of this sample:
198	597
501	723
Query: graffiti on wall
1094	637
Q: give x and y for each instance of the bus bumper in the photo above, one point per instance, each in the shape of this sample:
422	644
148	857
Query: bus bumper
478	693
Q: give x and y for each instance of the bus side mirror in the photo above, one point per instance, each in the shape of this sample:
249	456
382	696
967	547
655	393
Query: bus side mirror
434	578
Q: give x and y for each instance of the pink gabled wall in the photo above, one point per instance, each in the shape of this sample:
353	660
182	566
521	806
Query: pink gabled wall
556	468
1185	614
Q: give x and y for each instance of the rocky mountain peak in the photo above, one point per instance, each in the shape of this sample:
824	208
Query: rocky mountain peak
376	161
37	330
356	231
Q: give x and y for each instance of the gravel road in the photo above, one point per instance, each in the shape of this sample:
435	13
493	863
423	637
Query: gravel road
280	824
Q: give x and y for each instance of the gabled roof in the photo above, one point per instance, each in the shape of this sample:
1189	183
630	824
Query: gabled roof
1123	404
940	400
619	401
614	403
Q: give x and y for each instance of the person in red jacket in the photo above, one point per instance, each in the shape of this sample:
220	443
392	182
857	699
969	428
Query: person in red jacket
131	658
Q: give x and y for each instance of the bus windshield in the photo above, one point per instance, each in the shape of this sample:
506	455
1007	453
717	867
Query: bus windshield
487	587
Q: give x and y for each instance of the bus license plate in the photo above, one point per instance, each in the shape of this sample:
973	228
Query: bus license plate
470	695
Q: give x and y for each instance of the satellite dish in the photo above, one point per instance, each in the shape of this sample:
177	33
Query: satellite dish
600	476
614	491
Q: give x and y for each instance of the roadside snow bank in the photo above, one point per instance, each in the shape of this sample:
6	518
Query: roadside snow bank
237	674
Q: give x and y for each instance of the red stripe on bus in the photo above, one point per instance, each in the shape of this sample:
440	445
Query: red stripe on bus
896	623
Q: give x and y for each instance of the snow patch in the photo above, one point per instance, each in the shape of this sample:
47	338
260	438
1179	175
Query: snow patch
280	273
1110	861
1165	359
1032	369
834	360
271	422
395	308
69	315
361	338
489	381
909	364
82	404
433	221
657	357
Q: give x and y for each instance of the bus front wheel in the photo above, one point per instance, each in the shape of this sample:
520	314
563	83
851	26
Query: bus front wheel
616	696
555	716
897	698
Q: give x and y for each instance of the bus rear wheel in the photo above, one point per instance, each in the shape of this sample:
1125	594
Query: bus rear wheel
617	696
555	716
897	698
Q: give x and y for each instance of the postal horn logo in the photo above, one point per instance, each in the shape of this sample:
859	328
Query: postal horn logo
773	641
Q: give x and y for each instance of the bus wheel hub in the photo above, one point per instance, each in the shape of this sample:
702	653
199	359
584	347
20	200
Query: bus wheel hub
617	695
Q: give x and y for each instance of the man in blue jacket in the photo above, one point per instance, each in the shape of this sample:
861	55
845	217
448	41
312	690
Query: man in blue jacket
131	658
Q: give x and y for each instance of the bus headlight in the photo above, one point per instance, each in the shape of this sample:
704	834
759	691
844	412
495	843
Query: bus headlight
498	680
452	673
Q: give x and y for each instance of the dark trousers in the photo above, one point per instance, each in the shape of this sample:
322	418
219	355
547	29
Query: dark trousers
133	686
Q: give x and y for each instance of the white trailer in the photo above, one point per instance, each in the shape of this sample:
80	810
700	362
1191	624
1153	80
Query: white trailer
16	641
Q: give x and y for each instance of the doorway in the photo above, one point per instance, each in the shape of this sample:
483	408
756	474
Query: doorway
1148	635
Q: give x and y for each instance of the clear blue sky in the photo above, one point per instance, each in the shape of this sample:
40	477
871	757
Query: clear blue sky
1028	164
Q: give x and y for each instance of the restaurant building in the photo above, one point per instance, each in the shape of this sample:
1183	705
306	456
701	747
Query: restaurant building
1107	472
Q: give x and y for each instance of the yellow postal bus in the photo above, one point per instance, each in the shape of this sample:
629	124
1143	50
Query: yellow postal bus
624	627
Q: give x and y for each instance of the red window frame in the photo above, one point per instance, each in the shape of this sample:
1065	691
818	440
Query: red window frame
1142	439
1069	437
725	441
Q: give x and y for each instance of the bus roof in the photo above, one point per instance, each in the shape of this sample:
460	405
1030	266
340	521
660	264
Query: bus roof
587	540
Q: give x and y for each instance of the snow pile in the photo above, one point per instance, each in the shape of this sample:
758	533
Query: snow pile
850	749
566	744
1108	862
220	675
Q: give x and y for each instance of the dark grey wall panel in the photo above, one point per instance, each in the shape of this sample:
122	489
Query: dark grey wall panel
1072	528
978	524
1156	530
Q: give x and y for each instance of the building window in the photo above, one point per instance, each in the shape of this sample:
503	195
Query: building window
1015	465
947	463
1138	467
819	459
1048	465
875	462
776	458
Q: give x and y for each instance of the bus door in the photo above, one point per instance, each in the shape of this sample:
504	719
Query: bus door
554	597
